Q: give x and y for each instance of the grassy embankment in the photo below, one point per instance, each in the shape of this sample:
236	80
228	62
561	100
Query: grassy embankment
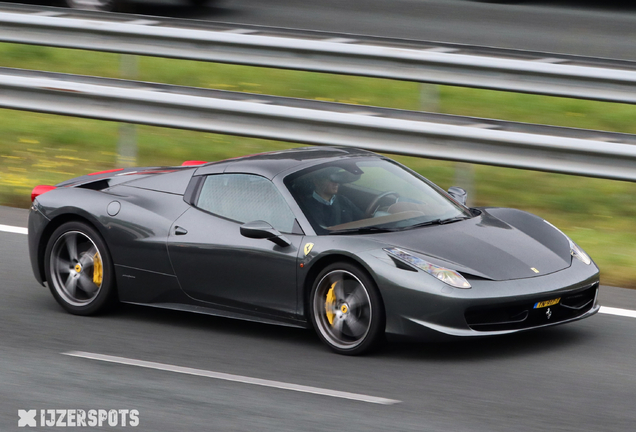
45	149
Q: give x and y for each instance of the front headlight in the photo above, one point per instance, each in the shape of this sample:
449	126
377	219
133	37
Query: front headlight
448	276
575	250
578	253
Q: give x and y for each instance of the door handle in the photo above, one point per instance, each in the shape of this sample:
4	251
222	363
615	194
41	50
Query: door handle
180	231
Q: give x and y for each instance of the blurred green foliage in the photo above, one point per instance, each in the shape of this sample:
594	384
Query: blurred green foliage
46	149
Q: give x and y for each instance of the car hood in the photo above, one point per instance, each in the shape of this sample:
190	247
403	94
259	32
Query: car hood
498	244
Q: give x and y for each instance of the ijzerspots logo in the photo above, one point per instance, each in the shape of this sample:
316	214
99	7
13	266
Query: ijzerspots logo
78	418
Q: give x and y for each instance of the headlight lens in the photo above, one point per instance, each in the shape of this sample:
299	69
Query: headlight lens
447	276
578	253
575	250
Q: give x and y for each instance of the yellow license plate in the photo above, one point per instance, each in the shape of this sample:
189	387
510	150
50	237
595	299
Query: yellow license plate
547	303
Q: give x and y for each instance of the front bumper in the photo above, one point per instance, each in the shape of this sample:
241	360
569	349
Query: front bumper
504	319
533	313
420	307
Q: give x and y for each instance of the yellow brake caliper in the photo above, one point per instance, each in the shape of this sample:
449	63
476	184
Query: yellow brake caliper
98	272
330	303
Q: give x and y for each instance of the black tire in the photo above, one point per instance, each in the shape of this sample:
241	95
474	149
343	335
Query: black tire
346	309
79	269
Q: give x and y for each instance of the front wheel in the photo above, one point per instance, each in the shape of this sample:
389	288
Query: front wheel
346	309
79	270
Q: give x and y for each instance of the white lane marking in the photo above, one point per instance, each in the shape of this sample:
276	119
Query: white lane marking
235	378
13	229
617	311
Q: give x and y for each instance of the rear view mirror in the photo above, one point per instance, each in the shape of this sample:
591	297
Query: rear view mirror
458	193
262	230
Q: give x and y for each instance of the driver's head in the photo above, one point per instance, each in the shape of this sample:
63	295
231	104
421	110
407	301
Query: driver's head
326	182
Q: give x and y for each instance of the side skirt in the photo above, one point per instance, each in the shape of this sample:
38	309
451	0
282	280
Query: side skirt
207	310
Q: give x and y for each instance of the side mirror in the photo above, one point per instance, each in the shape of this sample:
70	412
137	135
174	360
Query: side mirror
458	193
262	230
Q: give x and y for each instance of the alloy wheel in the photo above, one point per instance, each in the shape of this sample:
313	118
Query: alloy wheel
342	309
76	268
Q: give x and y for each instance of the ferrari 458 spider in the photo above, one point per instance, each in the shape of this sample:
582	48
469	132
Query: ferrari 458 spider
345	241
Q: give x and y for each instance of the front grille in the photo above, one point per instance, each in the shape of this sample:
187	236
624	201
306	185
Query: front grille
528	314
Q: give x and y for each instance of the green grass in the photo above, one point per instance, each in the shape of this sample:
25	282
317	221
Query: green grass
46	149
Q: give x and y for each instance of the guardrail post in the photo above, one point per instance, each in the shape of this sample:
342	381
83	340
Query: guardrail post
429	97
127	142
465	178
464	173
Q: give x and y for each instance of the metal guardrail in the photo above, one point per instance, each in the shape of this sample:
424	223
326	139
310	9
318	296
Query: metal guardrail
517	145
448	64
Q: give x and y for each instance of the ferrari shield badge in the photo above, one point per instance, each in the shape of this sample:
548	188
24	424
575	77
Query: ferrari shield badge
308	248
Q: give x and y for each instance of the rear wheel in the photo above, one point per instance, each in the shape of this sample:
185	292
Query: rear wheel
346	309
79	269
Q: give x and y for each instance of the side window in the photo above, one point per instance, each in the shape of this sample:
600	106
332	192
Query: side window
246	198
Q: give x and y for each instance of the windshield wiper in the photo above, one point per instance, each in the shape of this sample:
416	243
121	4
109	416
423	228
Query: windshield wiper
363	230
427	223
378	229
438	222
453	219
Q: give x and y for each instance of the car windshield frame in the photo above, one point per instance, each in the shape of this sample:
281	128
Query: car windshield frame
350	172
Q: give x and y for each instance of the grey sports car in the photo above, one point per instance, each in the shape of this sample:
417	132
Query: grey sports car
345	241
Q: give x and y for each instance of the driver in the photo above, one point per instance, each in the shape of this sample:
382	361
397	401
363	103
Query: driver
325	205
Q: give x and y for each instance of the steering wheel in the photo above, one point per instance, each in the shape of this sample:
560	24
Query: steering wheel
375	204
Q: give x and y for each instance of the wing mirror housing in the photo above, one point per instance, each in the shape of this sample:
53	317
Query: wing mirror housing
458	193
262	230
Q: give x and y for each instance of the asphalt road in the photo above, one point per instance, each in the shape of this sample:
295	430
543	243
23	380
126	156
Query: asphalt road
591	28
576	377
600	28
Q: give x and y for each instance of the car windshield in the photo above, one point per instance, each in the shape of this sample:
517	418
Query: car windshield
369	195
